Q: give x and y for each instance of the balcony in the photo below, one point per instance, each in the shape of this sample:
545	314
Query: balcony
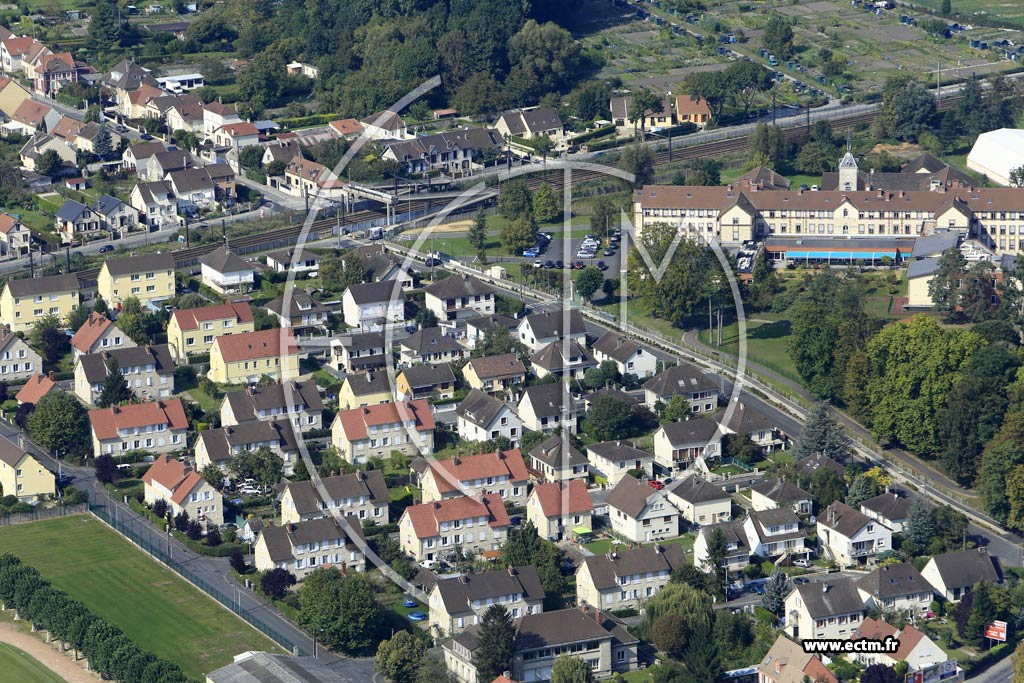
860	549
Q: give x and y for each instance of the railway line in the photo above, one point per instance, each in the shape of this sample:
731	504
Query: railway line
323	228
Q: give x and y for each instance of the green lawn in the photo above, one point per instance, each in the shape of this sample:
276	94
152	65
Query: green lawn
603	545
767	337
163	613
21	667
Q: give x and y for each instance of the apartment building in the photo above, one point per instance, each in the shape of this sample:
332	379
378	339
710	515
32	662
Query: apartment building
24	301
147	277
154	427
430	531
362	495
375	431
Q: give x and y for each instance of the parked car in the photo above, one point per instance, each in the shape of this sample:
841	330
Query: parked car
530	253
655	484
559	265
549	264
609	252
106	248
538	264
799	581
579	265
802	563
430	261
602	266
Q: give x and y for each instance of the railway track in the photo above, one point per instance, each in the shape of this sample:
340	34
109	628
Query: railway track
321	229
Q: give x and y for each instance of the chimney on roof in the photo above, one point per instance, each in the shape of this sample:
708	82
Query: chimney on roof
229	430
437	505
106	355
658	549
50	375
456	461
360	476
366	411
597	616
115	409
464	578
512	571
825	587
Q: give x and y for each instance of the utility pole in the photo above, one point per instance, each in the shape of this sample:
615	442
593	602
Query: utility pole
670	145
187	243
31	264
67	253
773	106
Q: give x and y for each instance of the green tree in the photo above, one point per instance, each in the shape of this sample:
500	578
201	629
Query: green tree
863	488
639	160
261	464
984	611
545	58
677	408
603	215
943	288
115	387
776	588
946	8
768	142
715	561
493	654
645	103
703	172
338	274
920	527
822	435
907	107
589	282
713	87
670	634
60	425
103	143
343	609
137	323
1017	176
764	283
514	200
49	163
826	486
570	669
104	30
478	235
47	336
399	659
880	673
545	203
748	80
778	37
815	158
609	418
276	582
261	83
589	101
519	234
251	157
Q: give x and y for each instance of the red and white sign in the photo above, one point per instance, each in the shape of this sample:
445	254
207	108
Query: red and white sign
996	631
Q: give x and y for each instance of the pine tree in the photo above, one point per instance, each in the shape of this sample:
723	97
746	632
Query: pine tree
863	488
102	144
104	30
115	388
776	588
946	8
822	435
942	288
478	235
716	558
983	612
494	649
920	526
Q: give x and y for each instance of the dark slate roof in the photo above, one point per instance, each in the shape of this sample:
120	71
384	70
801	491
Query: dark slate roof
935	244
140	263
922	268
780	491
431	340
246	404
44	285
550	451
966	567
365	383
366	340
550	357
94	365
459	593
618	450
747	419
843	518
606	569
809	465
458	286
561	627
223	260
281	539
548	399
926	162
695	489
502	365
107	205
765	519
70	210
373	292
616	345
429	375
542	119
893	580
683	378
263	667
617	394
830	598
479	408
630	496
888	506
550	324
219	441
300	302
370	484
484	323
696	430
734	533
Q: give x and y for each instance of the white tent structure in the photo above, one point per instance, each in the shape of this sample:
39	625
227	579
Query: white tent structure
996	153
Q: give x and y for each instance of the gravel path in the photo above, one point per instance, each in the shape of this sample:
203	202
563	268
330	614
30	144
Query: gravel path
62	665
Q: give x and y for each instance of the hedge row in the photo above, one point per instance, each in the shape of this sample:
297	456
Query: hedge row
594	134
110	652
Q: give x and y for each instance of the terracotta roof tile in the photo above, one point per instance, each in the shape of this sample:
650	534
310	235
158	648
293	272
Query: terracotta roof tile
254	345
427	517
470	467
174	476
35	388
557	499
89	333
190	318
107	421
354	422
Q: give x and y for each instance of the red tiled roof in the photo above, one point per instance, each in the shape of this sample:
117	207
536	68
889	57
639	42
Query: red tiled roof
470	467
909	638
107	421
35	388
31	112
18	46
687	105
144	94
346	126
427	517
174	476
354	422
89	333
220	108
190	318
554	502
7	223
253	345
240	129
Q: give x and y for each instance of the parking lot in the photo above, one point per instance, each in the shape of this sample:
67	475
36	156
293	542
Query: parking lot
567	251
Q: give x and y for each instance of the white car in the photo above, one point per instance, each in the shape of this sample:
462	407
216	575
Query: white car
802	563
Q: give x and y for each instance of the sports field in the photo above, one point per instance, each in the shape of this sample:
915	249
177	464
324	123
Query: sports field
163	613
22	667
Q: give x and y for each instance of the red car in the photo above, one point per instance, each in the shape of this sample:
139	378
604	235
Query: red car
655	484
579	265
